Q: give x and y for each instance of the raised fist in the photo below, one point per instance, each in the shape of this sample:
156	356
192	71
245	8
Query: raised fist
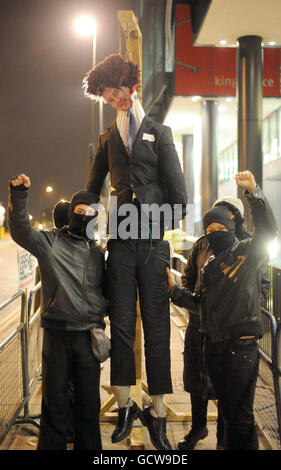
21	179
246	179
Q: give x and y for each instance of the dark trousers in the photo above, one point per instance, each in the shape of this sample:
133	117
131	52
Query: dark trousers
199	410
193	359
67	356
233	368
133	264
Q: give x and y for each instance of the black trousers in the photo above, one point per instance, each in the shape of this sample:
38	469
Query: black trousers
233	368
191	378
199	411
133	264
67	356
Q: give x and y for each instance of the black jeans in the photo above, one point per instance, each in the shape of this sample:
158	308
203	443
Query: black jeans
67	358
133	264
233	368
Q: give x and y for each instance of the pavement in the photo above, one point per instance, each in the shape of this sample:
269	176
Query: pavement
8	267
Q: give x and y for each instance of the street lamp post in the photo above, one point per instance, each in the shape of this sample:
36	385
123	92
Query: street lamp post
86	26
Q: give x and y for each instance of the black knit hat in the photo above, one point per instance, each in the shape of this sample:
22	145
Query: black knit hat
218	214
83	197
60	213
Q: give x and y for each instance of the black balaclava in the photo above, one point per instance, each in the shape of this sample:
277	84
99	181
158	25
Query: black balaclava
78	223
60	214
230	204
219	240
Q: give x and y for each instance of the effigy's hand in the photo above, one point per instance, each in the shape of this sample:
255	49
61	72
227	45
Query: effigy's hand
171	279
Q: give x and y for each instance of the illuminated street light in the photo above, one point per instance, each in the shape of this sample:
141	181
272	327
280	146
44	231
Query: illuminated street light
85	25
49	189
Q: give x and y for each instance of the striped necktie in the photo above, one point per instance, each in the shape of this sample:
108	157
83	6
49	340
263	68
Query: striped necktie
133	130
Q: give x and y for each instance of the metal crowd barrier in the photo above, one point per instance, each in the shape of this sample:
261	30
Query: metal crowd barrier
13	393
20	365
267	397
276	372
35	338
267	405
274	298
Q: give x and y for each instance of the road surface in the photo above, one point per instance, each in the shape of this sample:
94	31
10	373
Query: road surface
10	315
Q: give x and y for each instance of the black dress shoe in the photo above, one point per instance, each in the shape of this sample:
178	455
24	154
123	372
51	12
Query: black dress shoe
126	417
190	440
156	428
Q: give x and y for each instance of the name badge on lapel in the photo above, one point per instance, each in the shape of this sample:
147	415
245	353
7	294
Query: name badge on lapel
149	137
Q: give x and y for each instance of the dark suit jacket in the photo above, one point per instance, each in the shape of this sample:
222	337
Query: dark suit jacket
152	172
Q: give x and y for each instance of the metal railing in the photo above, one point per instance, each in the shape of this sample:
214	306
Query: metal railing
267	396
276	372
274	298
13	394
20	365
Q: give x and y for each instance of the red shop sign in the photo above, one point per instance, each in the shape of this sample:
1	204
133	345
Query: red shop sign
211	71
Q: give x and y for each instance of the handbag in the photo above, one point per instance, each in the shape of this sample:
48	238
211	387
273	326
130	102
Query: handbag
207	391
100	344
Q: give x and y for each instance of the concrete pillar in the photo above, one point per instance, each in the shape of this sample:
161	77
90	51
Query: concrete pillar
209	169
187	144
249	96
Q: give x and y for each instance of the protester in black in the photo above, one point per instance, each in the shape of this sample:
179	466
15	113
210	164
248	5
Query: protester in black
72	306
194	338
230	315
60	213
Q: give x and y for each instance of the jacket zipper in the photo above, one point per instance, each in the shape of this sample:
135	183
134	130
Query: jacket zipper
84	285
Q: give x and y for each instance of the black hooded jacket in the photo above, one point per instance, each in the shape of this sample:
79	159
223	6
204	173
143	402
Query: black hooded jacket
229	284
71	269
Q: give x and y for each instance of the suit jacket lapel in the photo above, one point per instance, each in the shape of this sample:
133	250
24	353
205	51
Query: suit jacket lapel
145	127
117	137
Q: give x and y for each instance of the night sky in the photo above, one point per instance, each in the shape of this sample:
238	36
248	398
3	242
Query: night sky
45	119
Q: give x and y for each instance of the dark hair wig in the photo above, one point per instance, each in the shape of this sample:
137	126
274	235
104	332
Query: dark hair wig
113	72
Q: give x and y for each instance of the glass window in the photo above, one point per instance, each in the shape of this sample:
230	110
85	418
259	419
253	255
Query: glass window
279	131
265	141
273	136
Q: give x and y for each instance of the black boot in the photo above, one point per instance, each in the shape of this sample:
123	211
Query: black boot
190	440
126	417
156	428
